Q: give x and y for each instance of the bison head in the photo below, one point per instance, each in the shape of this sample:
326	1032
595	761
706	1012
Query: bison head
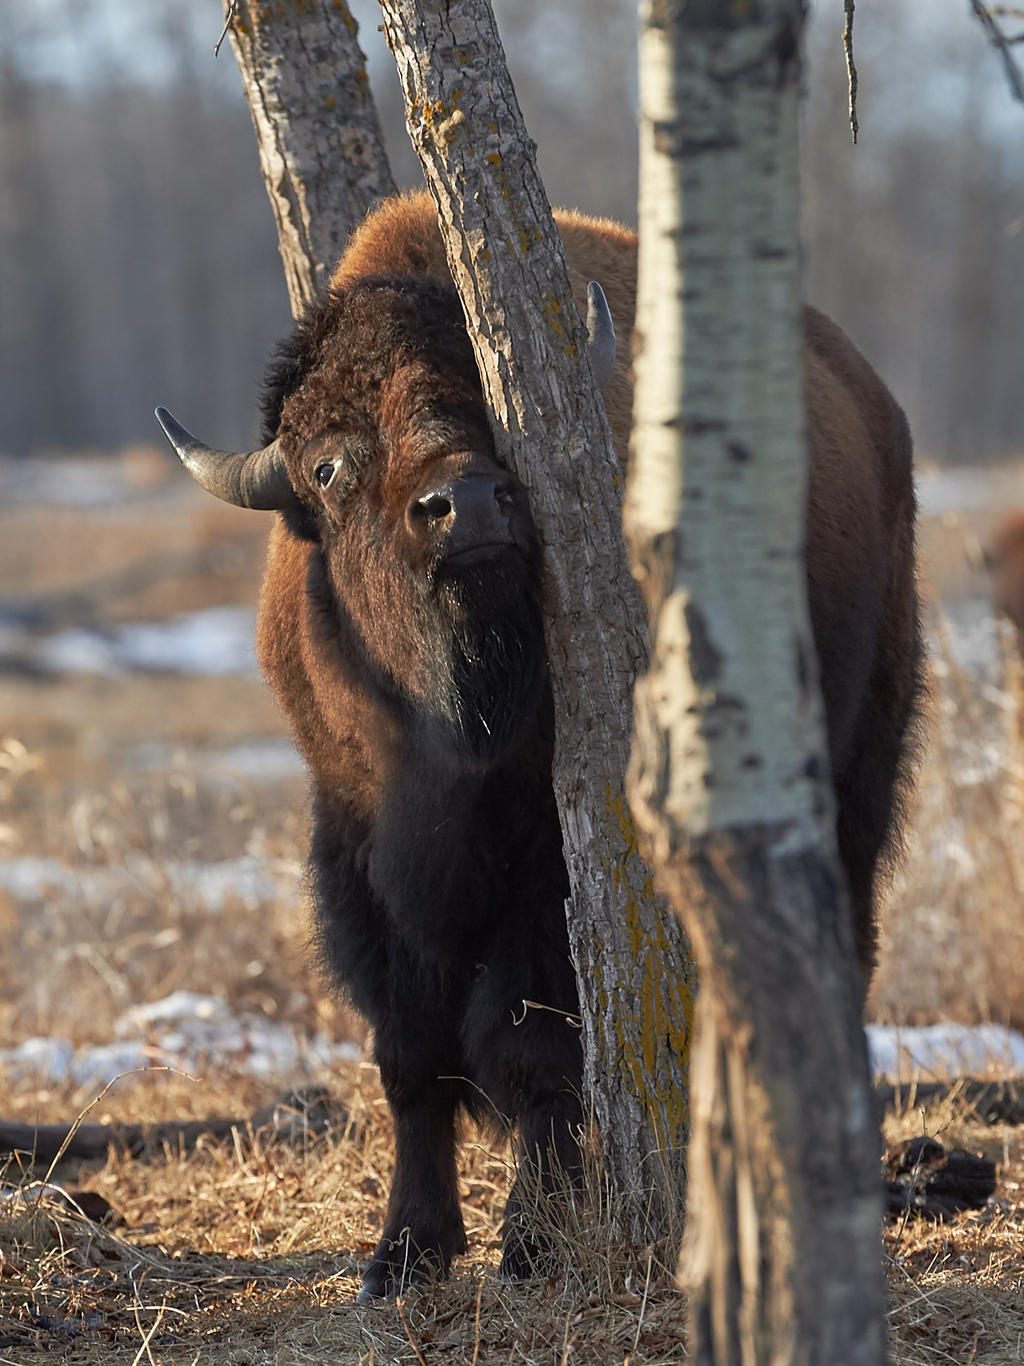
426	571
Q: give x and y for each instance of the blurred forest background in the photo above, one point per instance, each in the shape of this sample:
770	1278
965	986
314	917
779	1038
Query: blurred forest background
138	259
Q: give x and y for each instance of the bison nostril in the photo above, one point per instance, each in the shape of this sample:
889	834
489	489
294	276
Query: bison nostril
473	505
435	505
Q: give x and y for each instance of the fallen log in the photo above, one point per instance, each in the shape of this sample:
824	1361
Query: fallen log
991	1102
298	1117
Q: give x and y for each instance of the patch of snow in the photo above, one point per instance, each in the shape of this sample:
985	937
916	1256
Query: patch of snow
255	761
263	759
197	1032
251	880
213	642
180	1005
944	1050
185	1030
95	1067
975	639
38	1057
74	651
959	489
78	481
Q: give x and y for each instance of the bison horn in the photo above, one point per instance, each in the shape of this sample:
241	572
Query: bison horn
256	479
602	334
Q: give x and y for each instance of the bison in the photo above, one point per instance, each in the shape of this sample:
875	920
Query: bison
400	627
1004	559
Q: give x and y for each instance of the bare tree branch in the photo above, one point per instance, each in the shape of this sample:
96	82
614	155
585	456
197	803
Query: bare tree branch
232	7
986	17
851	67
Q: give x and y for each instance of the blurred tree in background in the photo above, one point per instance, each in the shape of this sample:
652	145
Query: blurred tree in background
138	257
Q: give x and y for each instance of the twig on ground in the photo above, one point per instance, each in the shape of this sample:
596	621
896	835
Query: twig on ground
148	1337
408	1333
476	1323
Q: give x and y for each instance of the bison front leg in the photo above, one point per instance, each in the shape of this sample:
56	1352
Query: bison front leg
526	1059
423	1227
538	1215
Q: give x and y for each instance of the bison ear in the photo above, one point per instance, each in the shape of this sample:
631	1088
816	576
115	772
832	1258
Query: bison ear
253	479
602	334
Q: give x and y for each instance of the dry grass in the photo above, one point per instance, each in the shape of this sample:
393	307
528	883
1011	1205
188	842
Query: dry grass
251	1253
952	937
244	1253
248	1252
956	1290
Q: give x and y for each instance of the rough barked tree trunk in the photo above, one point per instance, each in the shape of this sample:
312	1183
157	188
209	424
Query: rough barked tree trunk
729	781
632	961
320	143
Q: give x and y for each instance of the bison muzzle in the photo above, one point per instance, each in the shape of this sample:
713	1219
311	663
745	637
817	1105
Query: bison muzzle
401	630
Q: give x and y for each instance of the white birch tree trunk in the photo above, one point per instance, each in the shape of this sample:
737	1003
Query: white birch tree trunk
320	144
632	960
729	783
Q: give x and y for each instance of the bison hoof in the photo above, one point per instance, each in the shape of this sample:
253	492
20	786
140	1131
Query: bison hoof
393	1271
370	1294
387	1283
526	1259
378	1287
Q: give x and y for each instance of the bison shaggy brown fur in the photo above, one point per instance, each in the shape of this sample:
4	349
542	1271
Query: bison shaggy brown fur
1004	557
400	628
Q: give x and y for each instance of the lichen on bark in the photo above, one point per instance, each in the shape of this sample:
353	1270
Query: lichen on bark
320	143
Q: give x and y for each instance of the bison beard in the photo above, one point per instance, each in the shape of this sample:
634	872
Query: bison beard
489	645
401	630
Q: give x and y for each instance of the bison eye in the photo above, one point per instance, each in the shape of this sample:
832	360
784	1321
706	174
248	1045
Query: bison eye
325	474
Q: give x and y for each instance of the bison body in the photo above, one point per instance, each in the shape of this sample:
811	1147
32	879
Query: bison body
401	630
1004	557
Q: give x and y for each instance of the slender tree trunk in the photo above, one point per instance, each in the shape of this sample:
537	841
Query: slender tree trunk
730	775
634	968
320	144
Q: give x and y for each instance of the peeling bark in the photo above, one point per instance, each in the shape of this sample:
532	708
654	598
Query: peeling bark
320	144
729	782
632	960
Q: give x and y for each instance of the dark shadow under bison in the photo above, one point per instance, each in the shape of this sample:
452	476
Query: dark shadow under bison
401	630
